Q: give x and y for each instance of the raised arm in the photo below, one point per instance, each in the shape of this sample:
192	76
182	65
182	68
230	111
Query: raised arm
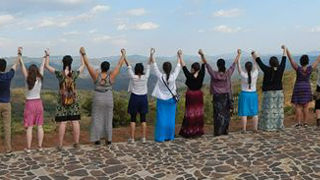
293	63
203	58
130	71
82	66
284	58
154	64
180	58
14	66
178	67
93	73
315	63
238	61
116	70
23	67
256	58
47	63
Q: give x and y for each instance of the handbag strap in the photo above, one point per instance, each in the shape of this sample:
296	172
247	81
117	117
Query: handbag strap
167	87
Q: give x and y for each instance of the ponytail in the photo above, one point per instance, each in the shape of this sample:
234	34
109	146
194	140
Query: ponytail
249	79
274	63
167	69
248	67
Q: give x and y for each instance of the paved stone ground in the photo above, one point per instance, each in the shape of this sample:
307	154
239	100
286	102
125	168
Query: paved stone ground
290	154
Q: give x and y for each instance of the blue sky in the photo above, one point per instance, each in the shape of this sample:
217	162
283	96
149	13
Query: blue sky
103	27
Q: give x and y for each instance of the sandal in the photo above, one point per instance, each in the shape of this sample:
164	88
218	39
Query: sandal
27	150
305	125
298	125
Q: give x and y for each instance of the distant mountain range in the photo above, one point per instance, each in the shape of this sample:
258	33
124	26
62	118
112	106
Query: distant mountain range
122	81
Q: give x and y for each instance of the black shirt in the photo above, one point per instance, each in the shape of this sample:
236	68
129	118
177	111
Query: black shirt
194	83
272	79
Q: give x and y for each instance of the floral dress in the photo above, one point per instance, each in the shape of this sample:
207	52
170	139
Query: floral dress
71	112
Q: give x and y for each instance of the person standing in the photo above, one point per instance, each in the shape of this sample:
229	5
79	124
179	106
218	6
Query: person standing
192	125
102	103
5	97
272	114
220	88
302	95
165	91
248	100
138	103
68	108
33	111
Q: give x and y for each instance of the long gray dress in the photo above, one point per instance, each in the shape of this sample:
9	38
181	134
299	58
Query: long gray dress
102	110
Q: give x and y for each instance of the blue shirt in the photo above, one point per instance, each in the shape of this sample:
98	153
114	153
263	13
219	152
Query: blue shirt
5	82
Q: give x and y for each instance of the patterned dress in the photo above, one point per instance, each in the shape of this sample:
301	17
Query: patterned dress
71	112
272	114
302	89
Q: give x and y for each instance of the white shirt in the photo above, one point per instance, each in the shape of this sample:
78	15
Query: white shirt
34	93
244	80
160	91
138	85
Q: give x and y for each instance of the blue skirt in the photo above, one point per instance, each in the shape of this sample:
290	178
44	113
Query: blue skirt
138	104
248	104
165	124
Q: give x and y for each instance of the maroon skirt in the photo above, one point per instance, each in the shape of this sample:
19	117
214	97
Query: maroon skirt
192	125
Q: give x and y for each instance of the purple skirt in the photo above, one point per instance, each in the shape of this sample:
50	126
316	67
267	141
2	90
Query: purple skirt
301	93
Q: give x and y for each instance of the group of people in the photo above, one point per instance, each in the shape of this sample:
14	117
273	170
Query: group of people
165	91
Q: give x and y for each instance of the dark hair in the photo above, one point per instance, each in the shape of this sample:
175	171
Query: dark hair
221	64
248	67
304	60
67	62
3	65
196	67
138	69
33	74
105	66
274	64
167	69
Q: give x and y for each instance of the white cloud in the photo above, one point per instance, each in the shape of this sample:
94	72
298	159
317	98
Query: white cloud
121	27
101	38
63	21
100	8
6	19
117	40
92	31
71	33
315	29
146	26
228	13
226	29
136	12
71	1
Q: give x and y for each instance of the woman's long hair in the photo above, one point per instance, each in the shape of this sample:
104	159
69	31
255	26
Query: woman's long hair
167	67
138	69
248	67
221	64
67	62
304	60
105	66
274	64
33	74
196	67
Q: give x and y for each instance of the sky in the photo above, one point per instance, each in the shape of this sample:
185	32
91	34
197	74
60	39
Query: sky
106	26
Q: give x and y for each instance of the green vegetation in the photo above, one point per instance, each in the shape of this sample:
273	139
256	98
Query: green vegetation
121	117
